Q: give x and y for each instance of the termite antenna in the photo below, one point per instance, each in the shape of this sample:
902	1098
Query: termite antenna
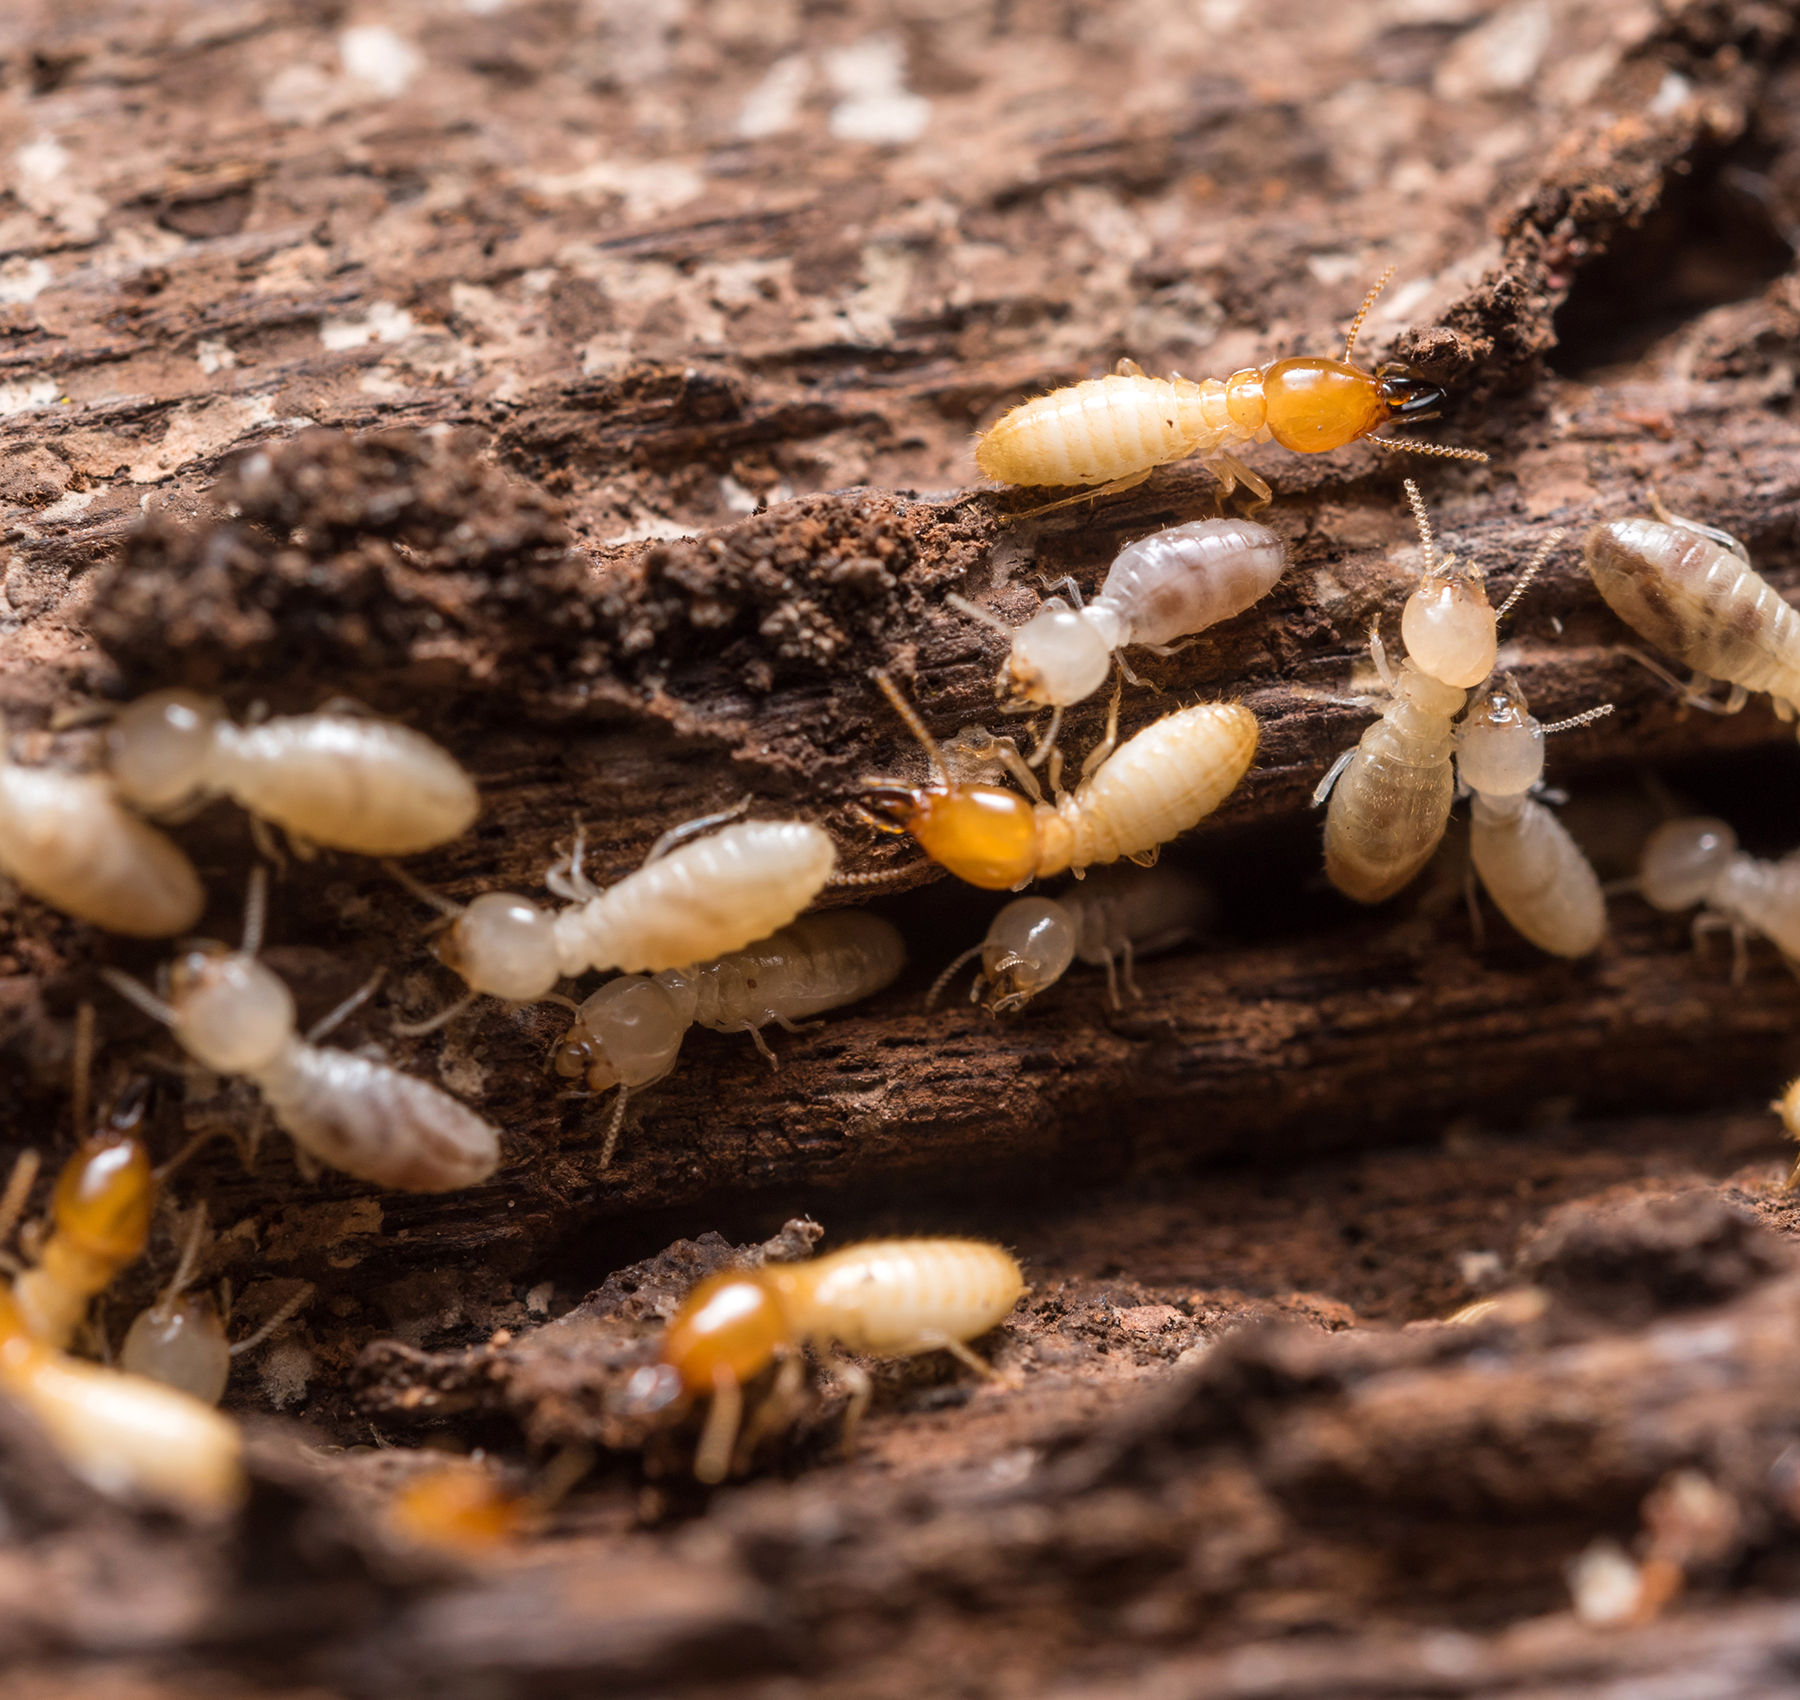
1575	720
884	876
134	991
280	1319
256	909
185	1265
1532	568
84	1066
434	899
18	1188
949	974
940	775
418	1029
679	834
1362	312
1426	540
207	1134
986	616
1399	445
1047	743
614	1124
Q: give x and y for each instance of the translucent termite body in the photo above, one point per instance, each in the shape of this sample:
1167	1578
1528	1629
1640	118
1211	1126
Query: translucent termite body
120	1433
1115	431
1163	587
1534	871
887	1298
1116	913
1130	802
1698	860
1692	592
351	1112
628	1034
66	838
341	780
705	899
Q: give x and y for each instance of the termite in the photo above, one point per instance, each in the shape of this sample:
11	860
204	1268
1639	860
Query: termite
628	1034
1534	871
341	780
1698	861
683	905
66	838
1692	592
350	1112
1787	1106
1130	802
1115	431
1163	587
886	1298
1116	914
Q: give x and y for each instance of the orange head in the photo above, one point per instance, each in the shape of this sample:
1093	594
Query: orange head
1315	404
728	1328
981	833
460	1507
104	1197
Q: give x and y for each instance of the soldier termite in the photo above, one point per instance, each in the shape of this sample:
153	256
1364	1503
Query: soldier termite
1163	587
1692	592
1115	431
628	1034
1531	867
1130	802
1698	861
683	905
350	1112
66	838
887	1298
341	780
1115	914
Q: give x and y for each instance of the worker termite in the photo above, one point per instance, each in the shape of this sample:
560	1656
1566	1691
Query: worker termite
341	780
1787	1106
628	1034
350	1112
1116	913
1698	861
887	1298
1692	592
66	838
683	905
1534	871
1130	802
1163	587
1115	431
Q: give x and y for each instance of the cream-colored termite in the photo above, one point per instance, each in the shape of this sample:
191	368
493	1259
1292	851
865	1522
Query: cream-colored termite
66	838
1115	431
1534	871
683	905
1115	915
350	1112
1131	800
886	1298
1698	860
1787	1106
1162	588
628	1034
1692	592
342	780
180	1340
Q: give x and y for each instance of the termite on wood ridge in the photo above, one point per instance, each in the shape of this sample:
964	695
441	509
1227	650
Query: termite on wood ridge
1130	801
350	1112
628	1034
346	781
1697	860
687	904
1691	590
1532	869
886	1298
1113	432
67	839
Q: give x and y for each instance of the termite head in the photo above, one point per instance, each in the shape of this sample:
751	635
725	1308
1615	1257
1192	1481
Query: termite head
981	833
728	1329
1683	860
160	747
1059	655
626	1034
231	1014
1501	747
503	946
180	1342
461	1507
1029	947
1448	625
104	1197
1316	404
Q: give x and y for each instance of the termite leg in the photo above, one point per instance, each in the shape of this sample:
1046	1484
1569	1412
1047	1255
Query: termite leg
18	1188
1047	743
1106	746
762	1044
1146	858
262	835
1131	985
796	1026
348	1007
1691	695
1735	700
712	1458
1006	752
777	1410
691	828
1112	983
1132	678
1065	583
1323	789
933	1340
1056	772
856	1378
1126	367
1378	654
1228	468
1472	897
1117	487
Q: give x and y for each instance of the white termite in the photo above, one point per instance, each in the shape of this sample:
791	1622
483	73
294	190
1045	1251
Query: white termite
628	1034
346	781
1697	860
1531	867
684	905
66	838
350	1112
1113	916
1691	590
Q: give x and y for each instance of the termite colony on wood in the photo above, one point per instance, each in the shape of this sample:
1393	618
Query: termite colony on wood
713	928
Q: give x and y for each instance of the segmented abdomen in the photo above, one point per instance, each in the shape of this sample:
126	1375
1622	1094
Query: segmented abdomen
893	1296
1537	876
1105	428
1189	577
1388	812
1766	895
821	962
